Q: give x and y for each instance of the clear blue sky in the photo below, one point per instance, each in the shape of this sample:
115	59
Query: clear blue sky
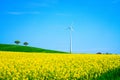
43	23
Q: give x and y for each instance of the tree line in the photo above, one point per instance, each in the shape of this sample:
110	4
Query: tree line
18	42
103	53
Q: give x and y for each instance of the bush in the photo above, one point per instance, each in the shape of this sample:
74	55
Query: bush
108	53
98	53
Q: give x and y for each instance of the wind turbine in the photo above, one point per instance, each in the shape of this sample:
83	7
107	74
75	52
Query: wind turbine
70	29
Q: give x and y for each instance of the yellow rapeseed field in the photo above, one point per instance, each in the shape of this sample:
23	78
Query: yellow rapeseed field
46	66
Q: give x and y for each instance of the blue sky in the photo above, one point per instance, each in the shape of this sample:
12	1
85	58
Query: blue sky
43	23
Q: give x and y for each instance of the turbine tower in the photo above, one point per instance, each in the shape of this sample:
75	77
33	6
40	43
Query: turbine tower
70	29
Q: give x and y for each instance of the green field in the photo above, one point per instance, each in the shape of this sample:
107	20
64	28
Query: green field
19	48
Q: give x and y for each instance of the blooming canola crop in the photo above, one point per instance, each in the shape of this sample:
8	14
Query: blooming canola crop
46	66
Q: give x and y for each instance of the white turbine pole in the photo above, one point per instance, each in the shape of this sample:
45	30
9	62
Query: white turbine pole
70	28
70	41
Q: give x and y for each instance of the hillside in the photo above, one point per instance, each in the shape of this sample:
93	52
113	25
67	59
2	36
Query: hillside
19	48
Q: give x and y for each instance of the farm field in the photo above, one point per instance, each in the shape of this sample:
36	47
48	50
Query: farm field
42	66
19	48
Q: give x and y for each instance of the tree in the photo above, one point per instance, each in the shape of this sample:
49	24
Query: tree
17	42
25	43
